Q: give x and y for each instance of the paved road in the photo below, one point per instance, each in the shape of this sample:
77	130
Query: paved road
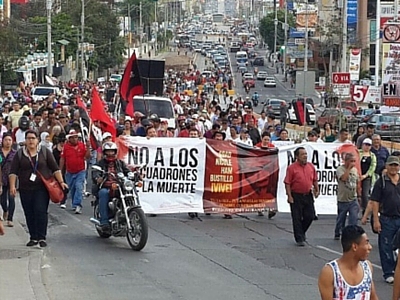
248	257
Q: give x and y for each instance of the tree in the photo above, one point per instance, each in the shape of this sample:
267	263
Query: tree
267	27
11	50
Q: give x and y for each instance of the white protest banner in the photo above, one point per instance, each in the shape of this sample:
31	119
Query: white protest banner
174	176
326	157
282	143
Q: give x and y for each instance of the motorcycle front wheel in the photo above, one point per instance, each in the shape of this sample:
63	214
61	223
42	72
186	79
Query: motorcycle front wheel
137	238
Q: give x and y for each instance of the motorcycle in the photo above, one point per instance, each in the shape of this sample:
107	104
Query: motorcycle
255	101
126	216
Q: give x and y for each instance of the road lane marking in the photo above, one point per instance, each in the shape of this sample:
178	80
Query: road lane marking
338	253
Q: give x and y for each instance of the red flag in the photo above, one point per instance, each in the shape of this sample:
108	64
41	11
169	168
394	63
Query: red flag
131	84
80	103
98	113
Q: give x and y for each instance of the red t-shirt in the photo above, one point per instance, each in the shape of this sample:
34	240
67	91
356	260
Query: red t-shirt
300	178
259	145
74	157
184	133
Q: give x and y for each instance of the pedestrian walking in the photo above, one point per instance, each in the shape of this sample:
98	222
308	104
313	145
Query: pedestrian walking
350	276
73	158
27	163
7	154
368	166
385	199
347	177
301	187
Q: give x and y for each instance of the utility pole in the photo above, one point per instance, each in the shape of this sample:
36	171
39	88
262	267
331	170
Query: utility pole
344	37
378	40
49	5
165	24
286	37
83	67
275	32
155	28
129	31
305	70
140	29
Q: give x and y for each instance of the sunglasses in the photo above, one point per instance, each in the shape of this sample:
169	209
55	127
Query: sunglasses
367	144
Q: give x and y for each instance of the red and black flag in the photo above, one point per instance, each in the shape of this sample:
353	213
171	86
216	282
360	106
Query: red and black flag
131	84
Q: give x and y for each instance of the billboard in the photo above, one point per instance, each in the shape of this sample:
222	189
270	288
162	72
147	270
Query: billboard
355	64
352	16
391	74
387	12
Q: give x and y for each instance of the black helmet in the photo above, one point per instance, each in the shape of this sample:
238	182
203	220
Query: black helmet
23	123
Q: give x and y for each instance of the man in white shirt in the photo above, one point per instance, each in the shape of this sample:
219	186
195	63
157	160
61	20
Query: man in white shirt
15	115
261	121
343	136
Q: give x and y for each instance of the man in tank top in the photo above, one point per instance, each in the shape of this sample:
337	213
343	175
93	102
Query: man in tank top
350	276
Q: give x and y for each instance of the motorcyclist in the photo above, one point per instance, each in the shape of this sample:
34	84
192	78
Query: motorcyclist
247	88
111	165
254	98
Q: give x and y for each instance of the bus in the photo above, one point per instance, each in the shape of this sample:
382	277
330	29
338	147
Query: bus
241	57
218	18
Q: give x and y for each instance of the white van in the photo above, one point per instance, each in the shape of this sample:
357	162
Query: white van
42	92
161	106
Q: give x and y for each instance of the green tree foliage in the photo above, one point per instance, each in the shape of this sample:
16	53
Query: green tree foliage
267	27
11	51
101	29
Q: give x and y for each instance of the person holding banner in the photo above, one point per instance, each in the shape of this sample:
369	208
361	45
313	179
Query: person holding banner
347	194
300	182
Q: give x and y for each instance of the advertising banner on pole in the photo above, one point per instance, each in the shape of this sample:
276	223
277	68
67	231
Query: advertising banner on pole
355	64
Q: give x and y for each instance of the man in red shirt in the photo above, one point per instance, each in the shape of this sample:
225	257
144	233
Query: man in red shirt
301	177
73	157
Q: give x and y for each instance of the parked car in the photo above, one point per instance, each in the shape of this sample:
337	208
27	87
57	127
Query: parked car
292	115
332	115
270	82
351	105
273	106
364	114
387	125
262	75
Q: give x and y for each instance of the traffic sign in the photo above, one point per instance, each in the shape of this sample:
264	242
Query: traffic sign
341	83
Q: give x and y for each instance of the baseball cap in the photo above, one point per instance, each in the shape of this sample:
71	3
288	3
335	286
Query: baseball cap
106	135
367	141
393	160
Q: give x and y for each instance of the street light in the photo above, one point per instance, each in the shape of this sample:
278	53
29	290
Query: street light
49	4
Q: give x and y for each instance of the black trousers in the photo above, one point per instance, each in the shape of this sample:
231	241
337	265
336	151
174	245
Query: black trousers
35	204
303	213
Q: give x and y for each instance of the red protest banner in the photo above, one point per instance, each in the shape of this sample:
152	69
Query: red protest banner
239	179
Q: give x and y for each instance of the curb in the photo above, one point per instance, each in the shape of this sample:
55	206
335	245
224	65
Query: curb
35	259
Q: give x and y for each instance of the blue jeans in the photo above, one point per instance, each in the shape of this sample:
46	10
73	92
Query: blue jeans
75	183
104	198
343	208
7	202
389	227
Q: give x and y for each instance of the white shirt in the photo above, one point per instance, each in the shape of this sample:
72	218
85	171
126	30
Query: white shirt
345	142
261	123
247	142
19	137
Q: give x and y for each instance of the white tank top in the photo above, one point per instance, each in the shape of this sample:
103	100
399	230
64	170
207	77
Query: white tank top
344	291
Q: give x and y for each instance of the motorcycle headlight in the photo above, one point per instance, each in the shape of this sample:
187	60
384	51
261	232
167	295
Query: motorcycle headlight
128	185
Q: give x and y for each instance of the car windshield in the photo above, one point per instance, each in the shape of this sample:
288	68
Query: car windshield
275	102
389	119
43	91
162	109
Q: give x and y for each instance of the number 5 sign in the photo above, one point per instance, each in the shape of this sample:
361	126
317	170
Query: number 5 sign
367	94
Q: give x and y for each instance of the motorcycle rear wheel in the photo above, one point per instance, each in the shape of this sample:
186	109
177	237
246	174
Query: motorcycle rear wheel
137	239
100	232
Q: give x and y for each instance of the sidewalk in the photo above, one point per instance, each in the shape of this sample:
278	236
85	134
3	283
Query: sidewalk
20	266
